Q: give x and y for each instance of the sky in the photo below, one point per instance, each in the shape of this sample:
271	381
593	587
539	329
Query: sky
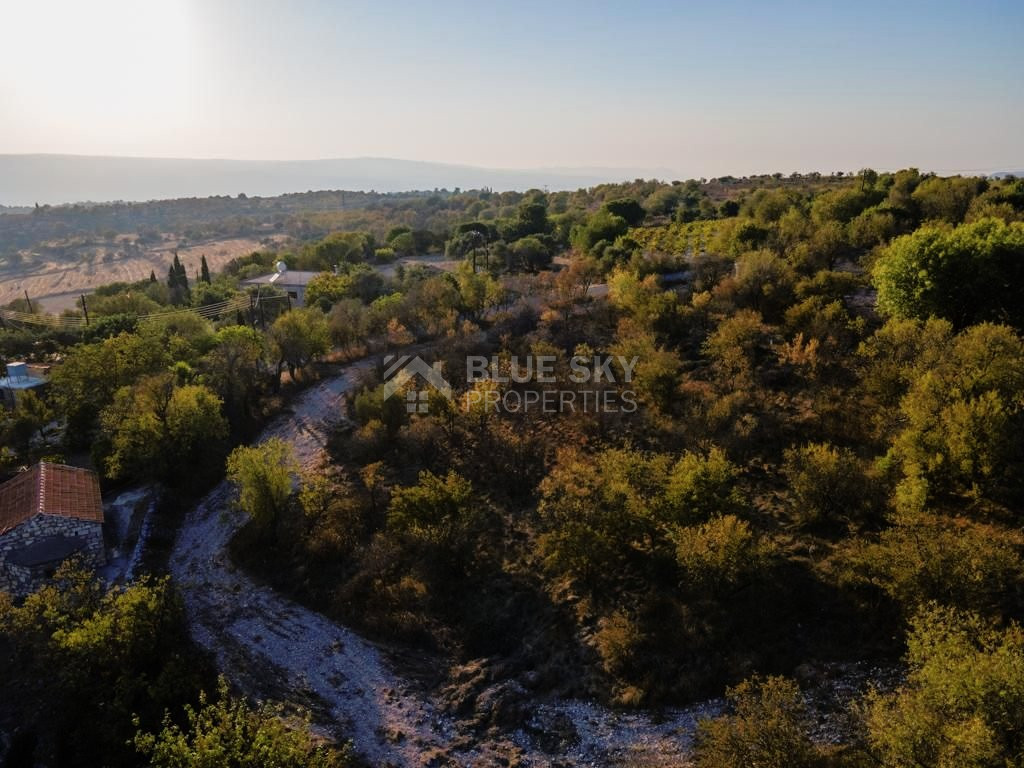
692	88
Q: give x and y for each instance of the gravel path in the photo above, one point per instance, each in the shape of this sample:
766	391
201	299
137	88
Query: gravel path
264	641
274	648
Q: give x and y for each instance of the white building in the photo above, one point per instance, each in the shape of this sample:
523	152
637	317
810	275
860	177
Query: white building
291	281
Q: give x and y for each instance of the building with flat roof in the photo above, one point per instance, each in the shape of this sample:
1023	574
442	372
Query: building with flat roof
293	282
21	377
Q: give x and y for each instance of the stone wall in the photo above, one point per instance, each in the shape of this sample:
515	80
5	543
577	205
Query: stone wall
20	580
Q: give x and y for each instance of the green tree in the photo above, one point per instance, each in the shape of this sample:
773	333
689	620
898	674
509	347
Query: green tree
348	323
297	337
643	299
90	374
263	476
627	209
327	288
28	421
532	218
963	703
531	254
872	228
204	270
655	376
900	352
177	282
233	368
600	512
963	415
336	249
701	486
602	227
764	282
124	650
716	555
478	292
228	733
153	425
946	199
736	346
826	484
967	275
842	205
468	244
924	557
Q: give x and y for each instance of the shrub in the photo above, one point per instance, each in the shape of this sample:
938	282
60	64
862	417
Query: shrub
701	486
717	554
766	728
825	483
924	557
963	704
440	511
228	732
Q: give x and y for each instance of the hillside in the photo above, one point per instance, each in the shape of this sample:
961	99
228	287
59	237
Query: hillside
53	179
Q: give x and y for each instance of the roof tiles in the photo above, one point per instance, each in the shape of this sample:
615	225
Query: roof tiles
50	489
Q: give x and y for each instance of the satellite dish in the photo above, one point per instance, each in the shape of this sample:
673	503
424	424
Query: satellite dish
280	267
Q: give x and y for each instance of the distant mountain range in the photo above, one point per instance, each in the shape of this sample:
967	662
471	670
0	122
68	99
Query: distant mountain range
55	179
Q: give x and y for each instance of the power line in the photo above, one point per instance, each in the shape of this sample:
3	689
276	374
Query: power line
76	322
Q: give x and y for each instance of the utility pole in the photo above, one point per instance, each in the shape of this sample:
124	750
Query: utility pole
29	301
85	309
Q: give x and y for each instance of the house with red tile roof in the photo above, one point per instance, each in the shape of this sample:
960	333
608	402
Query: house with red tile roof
48	513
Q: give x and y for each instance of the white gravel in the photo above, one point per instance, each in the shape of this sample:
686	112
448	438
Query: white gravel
264	641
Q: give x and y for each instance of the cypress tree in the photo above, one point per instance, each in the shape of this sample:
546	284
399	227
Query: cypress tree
205	270
177	281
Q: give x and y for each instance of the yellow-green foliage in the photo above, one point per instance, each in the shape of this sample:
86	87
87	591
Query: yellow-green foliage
767	729
826	483
676	238
963	704
81	661
227	732
263	476
600	512
924	557
439	511
716	554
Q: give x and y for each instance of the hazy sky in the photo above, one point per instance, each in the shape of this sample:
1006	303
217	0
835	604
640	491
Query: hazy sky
702	88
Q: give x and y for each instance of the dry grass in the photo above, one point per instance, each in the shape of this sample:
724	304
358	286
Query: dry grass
57	285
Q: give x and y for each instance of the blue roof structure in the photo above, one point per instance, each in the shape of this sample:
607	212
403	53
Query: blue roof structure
20	382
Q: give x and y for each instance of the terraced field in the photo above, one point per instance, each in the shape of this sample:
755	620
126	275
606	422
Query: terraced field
57	285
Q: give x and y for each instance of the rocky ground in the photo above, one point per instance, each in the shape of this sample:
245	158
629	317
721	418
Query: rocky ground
274	648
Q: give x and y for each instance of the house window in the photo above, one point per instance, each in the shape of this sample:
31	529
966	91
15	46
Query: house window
293	295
